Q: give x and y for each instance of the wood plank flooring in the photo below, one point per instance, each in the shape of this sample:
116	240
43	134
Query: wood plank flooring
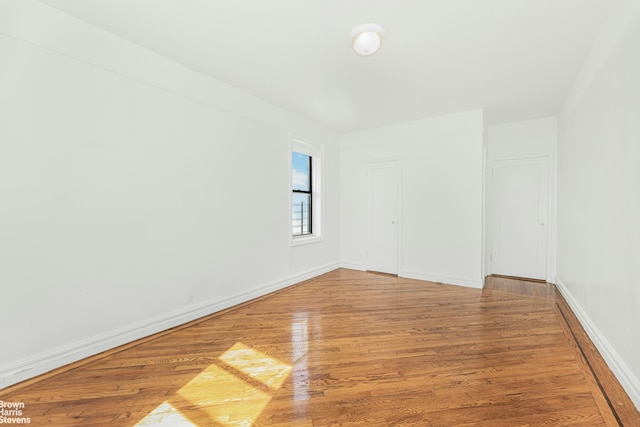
350	349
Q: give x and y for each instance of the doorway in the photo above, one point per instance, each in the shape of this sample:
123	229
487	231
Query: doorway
520	217
383	216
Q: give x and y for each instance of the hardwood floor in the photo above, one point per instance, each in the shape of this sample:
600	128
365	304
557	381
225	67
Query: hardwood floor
351	349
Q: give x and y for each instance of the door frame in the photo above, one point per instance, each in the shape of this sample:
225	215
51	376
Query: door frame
368	216
551	214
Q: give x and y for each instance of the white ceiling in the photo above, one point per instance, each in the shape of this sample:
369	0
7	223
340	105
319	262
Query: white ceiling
516	58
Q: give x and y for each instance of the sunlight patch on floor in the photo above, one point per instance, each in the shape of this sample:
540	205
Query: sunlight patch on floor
225	398
218	396
165	415
259	366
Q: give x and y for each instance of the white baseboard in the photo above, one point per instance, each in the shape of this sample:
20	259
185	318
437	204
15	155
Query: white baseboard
353	266
629	382
46	361
478	284
468	283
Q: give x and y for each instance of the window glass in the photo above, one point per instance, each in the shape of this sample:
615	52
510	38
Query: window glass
302	198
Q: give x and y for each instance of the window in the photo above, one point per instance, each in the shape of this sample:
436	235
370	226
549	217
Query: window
302	198
306	200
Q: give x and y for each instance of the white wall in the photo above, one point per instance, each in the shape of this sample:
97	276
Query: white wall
134	194
599	196
441	191
530	138
526	138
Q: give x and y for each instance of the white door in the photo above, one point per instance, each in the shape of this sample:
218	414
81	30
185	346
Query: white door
520	211
383	202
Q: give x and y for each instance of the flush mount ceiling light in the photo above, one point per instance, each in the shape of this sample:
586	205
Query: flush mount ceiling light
366	39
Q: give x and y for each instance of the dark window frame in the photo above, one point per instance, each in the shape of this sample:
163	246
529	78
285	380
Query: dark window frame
310	194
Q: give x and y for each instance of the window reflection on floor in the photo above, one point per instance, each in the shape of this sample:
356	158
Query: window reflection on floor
300	344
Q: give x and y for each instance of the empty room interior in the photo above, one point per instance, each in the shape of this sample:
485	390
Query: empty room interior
317	213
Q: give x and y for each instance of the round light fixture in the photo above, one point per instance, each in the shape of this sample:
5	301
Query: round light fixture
366	39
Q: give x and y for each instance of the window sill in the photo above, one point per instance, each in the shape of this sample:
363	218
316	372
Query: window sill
305	240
